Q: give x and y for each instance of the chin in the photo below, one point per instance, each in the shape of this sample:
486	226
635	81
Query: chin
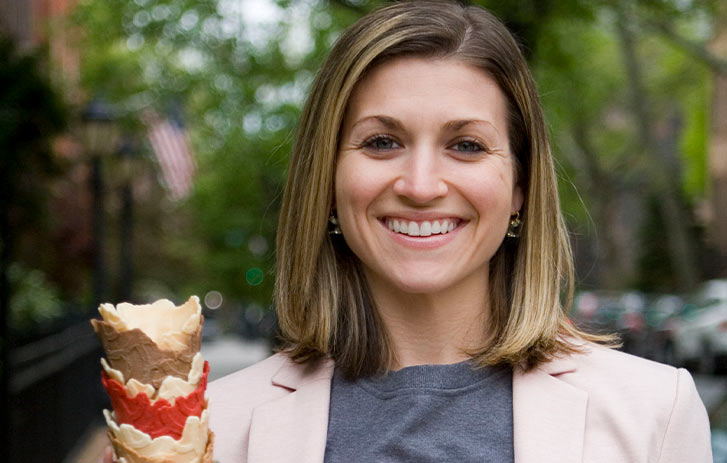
421	286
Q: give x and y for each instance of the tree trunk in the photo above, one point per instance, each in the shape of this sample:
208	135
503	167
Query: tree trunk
717	150
662	182
615	264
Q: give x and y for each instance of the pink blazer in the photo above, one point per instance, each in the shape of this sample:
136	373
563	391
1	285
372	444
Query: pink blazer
601	406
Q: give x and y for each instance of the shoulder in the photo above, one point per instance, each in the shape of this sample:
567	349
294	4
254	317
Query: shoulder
598	364
657	404
626	379
232	400
237	394
256	377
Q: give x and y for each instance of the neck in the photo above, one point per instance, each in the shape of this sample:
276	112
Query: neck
433	328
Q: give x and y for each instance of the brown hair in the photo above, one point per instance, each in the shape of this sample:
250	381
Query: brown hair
321	296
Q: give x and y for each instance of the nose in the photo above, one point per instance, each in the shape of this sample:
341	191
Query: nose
421	177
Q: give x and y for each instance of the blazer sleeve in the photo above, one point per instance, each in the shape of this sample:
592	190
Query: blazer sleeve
687	436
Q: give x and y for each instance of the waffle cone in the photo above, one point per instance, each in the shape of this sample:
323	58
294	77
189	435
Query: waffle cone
131	456
134	354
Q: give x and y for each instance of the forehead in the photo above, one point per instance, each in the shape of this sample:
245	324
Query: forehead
411	86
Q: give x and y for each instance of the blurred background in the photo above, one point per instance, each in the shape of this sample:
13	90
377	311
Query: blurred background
143	148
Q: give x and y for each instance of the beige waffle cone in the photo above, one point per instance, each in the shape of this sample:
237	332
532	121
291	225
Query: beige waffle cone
135	355
131	456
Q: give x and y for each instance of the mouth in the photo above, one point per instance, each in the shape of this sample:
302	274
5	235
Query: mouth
421	227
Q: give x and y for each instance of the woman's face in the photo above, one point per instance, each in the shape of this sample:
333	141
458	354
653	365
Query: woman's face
425	181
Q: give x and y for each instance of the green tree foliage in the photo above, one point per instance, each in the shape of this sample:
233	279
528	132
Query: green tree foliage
617	168
34	300
242	77
31	114
241	82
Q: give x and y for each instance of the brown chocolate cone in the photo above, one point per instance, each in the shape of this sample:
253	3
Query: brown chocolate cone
133	457
134	354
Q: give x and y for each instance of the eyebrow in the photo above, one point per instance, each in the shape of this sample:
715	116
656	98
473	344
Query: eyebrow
394	124
461	123
388	122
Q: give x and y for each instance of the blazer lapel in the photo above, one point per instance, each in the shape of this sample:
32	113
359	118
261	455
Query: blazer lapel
293	427
549	415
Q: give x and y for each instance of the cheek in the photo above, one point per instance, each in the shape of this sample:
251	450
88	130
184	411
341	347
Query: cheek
358	184
490	192
355	191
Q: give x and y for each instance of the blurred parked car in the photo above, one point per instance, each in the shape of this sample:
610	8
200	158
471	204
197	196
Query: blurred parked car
659	313
699	332
619	312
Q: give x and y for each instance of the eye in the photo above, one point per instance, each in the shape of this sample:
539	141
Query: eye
468	146
381	143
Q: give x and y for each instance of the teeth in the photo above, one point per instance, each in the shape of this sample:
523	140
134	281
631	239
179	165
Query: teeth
425	228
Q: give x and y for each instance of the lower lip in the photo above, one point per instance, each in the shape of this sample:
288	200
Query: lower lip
423	242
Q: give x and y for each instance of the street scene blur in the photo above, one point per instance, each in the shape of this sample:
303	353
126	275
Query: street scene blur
143	149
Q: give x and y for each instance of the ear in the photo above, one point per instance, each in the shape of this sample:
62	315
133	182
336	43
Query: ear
333	195
517	199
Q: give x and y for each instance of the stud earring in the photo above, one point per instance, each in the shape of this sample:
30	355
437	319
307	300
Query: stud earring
513	230
333	227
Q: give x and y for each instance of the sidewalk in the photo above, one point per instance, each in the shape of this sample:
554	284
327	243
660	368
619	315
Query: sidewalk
225	354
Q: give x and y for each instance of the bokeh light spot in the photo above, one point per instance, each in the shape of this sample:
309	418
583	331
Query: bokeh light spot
213	300
254	276
234	238
142	19
258	245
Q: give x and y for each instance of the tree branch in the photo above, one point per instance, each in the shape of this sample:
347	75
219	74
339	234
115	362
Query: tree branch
697	50
356	8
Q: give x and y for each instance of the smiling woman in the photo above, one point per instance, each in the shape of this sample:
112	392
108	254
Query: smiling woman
425	187
424	275
465	79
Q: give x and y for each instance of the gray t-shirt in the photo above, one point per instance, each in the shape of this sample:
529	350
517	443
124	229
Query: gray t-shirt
426	413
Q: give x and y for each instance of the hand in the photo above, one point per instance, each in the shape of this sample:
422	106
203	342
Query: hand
108	456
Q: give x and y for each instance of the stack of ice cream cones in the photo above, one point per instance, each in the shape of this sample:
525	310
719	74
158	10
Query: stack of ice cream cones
156	379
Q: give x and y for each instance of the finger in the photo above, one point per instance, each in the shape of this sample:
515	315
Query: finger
108	455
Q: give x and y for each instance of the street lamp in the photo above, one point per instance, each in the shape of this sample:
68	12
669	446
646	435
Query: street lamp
100	134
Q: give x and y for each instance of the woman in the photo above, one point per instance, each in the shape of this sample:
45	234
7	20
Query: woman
422	258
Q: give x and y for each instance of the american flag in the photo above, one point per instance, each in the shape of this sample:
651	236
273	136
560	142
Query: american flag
169	142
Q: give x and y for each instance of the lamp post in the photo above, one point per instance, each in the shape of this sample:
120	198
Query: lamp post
99	133
127	159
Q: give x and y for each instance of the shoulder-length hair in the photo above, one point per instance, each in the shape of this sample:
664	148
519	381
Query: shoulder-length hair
322	299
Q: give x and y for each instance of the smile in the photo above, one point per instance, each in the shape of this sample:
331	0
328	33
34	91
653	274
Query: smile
422	228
